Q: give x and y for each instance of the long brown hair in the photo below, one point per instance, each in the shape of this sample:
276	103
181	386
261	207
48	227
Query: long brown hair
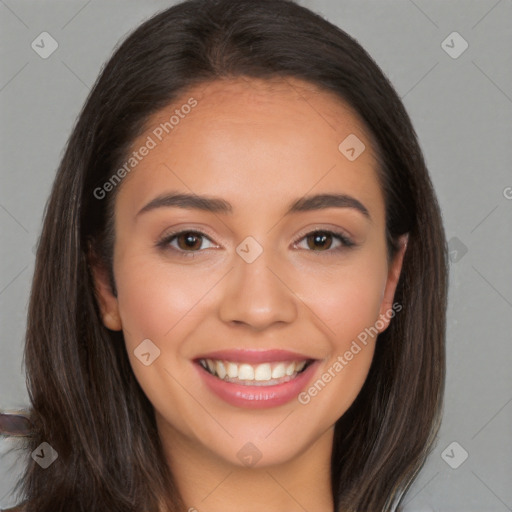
85	400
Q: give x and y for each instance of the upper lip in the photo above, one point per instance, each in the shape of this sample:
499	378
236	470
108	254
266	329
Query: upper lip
254	356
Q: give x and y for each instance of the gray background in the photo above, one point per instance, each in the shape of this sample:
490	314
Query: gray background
462	110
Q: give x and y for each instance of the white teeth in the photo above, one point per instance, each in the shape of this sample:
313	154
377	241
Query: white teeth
290	369
245	372
279	371
232	370
221	370
300	366
258	373
263	372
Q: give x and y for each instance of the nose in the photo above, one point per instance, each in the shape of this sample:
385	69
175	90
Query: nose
258	295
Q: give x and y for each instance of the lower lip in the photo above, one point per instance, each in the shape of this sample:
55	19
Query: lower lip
257	397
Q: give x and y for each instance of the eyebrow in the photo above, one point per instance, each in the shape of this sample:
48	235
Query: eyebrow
218	205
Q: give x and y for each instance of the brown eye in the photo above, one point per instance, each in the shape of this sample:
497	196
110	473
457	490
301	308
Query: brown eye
321	241
189	240
185	243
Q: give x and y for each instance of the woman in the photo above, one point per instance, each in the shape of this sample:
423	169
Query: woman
294	362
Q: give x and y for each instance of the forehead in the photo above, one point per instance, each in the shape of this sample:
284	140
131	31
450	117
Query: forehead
268	103
253	139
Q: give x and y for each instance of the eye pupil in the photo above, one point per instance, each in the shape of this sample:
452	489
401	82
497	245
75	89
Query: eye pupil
319	237
190	240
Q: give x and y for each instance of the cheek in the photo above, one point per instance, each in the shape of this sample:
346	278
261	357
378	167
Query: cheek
164	305
348	303
157	300
348	299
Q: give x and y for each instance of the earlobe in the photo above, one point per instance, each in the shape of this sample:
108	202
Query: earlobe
112	321
106	300
395	269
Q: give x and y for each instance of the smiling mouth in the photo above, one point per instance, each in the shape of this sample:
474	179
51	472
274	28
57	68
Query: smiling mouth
262	374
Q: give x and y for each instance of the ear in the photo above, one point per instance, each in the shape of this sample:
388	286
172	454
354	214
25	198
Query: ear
394	271
105	297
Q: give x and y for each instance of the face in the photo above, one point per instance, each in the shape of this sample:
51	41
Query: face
246	304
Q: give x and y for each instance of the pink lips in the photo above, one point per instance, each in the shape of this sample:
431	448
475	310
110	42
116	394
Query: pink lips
256	397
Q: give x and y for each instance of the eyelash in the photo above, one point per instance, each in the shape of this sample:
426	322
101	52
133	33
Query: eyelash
346	242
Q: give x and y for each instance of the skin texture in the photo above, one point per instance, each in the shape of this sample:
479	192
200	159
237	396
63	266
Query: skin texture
259	145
